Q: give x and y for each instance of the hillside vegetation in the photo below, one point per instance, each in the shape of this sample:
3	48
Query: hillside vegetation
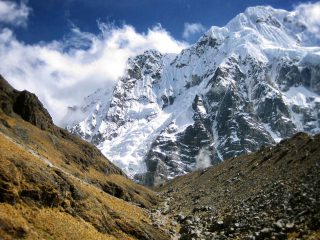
56	186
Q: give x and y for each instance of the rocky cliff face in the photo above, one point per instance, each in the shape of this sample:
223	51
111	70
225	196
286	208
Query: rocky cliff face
25	104
248	84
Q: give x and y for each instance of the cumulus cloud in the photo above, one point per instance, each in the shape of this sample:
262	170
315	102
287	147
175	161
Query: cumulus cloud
13	13
191	29
62	73
309	14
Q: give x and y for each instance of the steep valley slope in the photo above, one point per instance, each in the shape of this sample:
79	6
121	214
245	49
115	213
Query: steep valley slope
56	186
271	194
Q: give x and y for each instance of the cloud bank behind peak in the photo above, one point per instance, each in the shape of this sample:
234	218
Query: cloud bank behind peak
62	73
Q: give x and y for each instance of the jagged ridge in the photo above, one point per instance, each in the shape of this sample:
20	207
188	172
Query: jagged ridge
248	84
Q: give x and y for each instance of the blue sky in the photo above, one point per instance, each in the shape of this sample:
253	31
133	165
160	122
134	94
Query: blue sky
63	50
53	19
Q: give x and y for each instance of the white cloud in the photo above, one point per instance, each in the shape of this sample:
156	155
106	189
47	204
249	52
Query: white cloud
309	14
13	13
62	73
191	29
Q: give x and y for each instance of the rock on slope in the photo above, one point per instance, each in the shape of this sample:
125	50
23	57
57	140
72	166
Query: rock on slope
56	186
242	86
271	194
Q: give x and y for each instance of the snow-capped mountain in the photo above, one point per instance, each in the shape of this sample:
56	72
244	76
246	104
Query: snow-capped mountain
242	86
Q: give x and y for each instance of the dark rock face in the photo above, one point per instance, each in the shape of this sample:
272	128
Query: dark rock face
167	159
293	74
28	106
25	104
6	96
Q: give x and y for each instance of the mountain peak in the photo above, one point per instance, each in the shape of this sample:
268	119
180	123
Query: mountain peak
268	27
257	80
263	11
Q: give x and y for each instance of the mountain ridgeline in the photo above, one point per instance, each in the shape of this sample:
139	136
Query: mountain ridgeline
238	88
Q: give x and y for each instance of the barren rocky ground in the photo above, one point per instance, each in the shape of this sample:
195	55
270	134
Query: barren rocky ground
271	194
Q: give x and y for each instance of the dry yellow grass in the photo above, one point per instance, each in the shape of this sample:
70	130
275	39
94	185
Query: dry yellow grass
46	223
64	200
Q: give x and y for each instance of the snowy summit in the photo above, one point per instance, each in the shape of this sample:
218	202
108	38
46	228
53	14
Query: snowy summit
239	87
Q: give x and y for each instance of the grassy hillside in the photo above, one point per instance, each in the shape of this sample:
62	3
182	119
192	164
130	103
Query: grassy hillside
56	186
